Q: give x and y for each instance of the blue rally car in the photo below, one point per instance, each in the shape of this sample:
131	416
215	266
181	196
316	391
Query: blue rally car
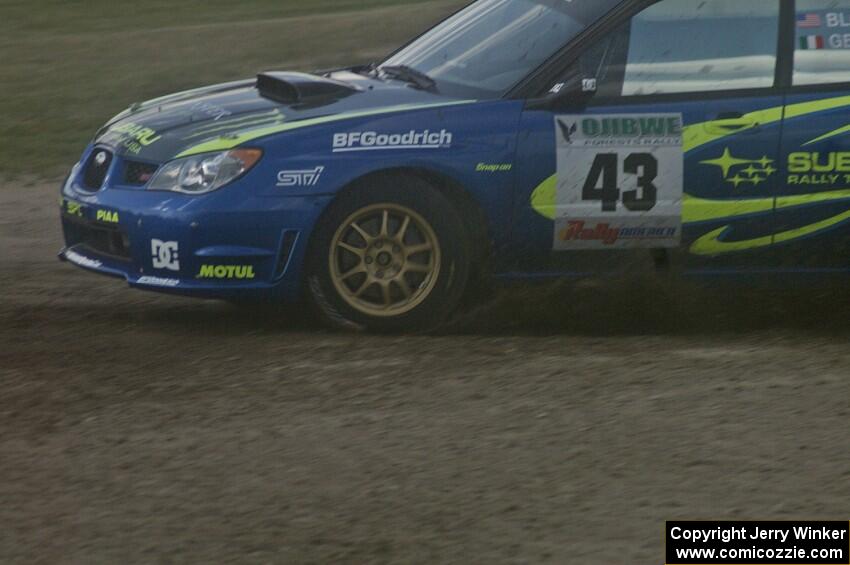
518	138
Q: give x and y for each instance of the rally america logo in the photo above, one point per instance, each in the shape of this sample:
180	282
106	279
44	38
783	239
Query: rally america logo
371	140
580	230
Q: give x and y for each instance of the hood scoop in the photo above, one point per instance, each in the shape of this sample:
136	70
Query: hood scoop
302	88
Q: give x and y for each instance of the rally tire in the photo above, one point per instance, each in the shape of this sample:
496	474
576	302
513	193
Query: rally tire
389	255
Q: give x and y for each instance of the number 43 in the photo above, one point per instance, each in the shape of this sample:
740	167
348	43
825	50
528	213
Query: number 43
605	171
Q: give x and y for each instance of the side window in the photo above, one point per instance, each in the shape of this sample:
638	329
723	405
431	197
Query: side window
605	62
679	46
822	55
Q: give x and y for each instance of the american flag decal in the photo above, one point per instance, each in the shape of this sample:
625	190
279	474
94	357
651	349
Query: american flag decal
809	21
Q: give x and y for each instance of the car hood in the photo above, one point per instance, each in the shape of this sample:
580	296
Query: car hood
204	119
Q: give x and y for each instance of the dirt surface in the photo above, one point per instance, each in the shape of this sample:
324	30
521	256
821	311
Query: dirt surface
562	426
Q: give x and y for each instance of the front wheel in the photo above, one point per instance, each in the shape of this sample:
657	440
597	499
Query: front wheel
389	256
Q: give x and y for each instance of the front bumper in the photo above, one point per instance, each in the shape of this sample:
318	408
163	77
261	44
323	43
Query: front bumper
226	244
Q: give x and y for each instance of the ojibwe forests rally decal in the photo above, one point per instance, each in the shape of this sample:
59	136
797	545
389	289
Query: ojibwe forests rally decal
619	181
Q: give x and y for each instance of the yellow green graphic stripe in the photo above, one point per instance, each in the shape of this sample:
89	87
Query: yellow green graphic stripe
711	243
230	141
834	133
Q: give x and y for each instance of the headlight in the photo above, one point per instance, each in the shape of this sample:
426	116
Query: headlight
204	173
69	182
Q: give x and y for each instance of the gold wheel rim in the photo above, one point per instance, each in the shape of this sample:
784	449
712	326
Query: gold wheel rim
384	260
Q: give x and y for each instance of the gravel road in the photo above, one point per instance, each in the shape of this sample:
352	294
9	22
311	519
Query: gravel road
561	426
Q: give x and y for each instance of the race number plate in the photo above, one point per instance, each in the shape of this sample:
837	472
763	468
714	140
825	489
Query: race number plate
619	181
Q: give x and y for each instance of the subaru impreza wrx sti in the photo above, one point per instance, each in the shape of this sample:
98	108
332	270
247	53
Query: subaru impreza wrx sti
517	138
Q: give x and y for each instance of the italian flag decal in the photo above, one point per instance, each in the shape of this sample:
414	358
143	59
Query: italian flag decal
812	42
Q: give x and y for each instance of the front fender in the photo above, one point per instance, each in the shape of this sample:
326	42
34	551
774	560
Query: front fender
475	146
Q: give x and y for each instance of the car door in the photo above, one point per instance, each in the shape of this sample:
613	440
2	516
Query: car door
813	204
692	78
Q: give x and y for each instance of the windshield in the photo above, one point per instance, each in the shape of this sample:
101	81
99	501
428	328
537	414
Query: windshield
491	45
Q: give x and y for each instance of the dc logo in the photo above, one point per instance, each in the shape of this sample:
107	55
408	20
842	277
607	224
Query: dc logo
166	255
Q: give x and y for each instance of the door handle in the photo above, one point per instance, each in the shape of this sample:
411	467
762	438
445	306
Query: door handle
730	122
